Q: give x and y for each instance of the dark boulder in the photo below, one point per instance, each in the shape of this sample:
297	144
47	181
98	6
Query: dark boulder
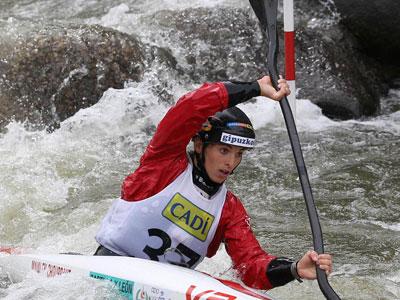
335	75
50	74
376	25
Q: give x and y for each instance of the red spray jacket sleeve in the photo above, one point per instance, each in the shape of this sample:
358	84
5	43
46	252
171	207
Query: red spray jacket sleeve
165	156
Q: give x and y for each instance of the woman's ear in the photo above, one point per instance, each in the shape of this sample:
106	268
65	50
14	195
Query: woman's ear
197	144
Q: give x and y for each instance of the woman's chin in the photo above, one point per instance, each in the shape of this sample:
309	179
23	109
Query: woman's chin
219	179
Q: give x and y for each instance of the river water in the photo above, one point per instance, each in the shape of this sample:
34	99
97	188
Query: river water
56	187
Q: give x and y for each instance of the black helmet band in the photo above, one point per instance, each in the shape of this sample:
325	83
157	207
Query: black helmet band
231	127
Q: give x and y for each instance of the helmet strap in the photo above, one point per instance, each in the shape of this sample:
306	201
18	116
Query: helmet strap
200	176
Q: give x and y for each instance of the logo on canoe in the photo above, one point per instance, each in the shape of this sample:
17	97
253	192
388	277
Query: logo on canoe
215	295
189	217
142	295
50	270
151	293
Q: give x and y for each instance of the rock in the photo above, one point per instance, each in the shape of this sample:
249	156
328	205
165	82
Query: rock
52	73
376	25
212	44
331	71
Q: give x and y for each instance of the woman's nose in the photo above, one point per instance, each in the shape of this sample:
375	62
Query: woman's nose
230	161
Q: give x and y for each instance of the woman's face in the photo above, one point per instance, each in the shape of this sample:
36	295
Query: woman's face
221	160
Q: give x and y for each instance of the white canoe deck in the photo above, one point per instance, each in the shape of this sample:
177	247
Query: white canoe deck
130	275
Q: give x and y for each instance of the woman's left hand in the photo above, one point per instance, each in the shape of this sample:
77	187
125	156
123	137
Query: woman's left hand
306	265
267	90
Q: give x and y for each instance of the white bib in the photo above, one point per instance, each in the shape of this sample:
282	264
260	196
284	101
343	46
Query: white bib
176	225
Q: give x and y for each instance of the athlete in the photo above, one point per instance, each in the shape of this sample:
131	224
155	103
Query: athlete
176	208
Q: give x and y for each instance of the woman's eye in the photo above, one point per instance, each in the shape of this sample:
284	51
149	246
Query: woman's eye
224	150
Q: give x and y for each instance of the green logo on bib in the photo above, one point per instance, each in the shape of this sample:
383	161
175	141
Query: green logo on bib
189	217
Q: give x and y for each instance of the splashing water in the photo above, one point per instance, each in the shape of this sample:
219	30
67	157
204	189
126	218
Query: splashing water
56	187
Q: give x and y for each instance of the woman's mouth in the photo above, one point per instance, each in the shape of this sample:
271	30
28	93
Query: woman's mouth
225	173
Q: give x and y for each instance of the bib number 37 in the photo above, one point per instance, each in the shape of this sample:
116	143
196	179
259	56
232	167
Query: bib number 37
181	249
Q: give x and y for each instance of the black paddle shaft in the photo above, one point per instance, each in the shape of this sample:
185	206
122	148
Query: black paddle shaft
266	11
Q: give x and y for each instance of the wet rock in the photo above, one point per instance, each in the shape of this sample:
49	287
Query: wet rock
52	73
163	65
227	43
331	72
376	25
212	44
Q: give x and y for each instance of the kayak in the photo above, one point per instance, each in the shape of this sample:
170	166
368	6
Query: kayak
134	278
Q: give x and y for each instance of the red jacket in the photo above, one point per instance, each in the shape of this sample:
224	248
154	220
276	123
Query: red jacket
165	159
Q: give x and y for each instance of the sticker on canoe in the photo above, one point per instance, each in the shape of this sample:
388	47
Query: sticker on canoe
125	287
51	270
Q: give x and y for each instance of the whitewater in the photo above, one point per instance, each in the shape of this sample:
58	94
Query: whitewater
55	187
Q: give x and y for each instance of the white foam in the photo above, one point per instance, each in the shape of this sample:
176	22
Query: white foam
44	175
387	123
68	286
393	227
127	17
309	116
219	265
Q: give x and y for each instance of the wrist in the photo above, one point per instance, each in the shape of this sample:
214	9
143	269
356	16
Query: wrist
278	271
293	270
